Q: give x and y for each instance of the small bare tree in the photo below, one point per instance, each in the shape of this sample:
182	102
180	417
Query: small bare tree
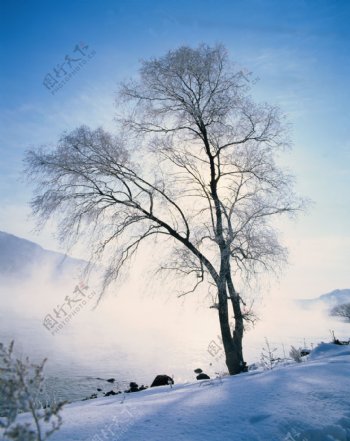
21	385
268	359
194	162
342	311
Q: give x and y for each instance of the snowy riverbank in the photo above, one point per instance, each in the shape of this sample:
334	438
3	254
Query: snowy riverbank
301	402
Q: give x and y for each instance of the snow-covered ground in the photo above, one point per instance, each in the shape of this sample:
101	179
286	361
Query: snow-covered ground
299	402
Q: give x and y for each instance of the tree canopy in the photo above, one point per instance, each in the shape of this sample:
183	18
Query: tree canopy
195	160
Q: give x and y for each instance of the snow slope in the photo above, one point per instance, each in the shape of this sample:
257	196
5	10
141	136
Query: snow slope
333	298
300	402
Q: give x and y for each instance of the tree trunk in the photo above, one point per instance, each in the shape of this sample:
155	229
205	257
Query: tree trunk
239	323
232	343
238	332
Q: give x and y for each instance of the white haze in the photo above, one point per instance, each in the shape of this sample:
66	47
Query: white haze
140	329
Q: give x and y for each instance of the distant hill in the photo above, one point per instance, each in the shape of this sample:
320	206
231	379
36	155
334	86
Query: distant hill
20	257
330	299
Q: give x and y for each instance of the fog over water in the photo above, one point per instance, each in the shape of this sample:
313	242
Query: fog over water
139	330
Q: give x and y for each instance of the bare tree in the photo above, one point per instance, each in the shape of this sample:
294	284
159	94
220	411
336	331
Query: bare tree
342	311
194	162
21	387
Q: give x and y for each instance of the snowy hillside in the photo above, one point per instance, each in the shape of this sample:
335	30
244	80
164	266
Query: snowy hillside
301	402
19	258
333	298
336	297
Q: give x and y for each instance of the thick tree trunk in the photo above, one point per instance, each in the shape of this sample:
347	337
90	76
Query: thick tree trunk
232	342
238	332
239	323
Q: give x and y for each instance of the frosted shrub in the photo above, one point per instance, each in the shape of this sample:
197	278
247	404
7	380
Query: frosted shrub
295	354
267	358
21	383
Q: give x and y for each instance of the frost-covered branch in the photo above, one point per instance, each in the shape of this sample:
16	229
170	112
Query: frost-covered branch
21	384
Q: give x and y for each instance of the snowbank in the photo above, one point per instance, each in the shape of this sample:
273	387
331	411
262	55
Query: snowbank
302	402
325	350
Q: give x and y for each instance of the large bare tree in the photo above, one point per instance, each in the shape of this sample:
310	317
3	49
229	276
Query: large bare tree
195	162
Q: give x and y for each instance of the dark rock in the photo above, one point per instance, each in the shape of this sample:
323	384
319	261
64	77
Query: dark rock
111	380
203	376
133	387
91	397
162	380
99	390
198	371
338	342
111	392
304	352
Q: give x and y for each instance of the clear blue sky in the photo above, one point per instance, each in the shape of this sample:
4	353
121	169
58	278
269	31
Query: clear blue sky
300	50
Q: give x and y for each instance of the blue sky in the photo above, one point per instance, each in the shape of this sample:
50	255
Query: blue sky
299	50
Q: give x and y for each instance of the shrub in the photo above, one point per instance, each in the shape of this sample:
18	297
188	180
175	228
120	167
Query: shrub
21	383
295	354
267	358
